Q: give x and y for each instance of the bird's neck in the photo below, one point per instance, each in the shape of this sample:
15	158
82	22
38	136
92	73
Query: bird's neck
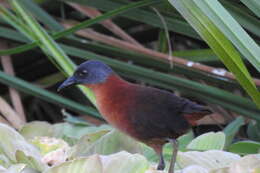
111	83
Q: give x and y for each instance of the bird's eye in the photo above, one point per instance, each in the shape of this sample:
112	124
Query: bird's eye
83	73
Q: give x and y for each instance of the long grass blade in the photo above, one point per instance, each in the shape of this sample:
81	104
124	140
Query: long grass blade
209	31
253	5
82	25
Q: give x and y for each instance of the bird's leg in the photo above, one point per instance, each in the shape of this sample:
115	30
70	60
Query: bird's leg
174	154
158	149
161	164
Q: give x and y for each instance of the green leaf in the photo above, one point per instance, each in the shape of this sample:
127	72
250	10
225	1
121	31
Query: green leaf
184	140
208	141
81	147
217	27
245	19
212	159
124	162
13	142
37	128
232	128
253	130
253	5
77	131
245	147
80	165
111	142
30	161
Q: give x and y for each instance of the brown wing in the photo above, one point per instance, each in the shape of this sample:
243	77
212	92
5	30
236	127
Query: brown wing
159	114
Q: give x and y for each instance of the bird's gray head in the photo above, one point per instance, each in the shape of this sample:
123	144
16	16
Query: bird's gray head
89	72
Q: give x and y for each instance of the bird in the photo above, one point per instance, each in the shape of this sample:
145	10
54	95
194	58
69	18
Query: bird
149	115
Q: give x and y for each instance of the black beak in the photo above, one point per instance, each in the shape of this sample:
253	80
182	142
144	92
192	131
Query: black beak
68	82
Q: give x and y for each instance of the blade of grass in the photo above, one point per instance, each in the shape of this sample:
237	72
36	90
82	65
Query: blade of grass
253	5
41	15
46	95
49	46
221	18
248	21
82	25
142	15
218	42
136	57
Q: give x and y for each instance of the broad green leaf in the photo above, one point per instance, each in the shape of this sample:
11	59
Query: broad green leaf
212	159
111	142
184	140
13	142
30	161
37	128
80	147
232	129
77	131
208	141
91	164
124	162
245	147
209	23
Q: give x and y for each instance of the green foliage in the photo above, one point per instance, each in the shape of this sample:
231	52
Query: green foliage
106	150
208	141
232	129
217	27
245	147
253	130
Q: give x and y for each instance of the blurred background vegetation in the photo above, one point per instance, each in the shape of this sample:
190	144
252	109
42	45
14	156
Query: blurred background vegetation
207	51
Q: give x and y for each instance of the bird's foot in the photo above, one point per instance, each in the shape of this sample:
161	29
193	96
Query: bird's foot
160	167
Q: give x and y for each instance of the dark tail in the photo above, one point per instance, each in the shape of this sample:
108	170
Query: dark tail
195	113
